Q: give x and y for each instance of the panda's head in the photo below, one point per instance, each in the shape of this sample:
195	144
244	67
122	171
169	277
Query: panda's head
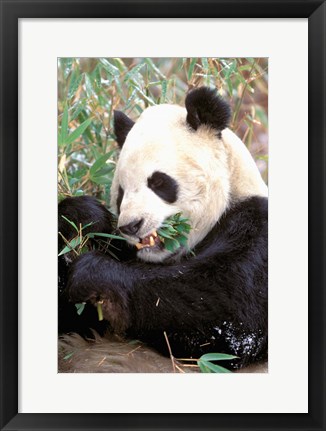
176	160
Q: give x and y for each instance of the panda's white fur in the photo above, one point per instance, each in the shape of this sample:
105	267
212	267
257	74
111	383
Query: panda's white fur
211	173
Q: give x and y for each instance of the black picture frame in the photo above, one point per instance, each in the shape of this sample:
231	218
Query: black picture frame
11	11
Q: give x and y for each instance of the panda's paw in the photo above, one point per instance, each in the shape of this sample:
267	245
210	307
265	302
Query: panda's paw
81	211
92	279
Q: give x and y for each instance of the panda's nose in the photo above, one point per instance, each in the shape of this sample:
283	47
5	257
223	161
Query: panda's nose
132	228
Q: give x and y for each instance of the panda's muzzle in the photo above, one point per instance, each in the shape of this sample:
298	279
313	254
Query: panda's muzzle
133	228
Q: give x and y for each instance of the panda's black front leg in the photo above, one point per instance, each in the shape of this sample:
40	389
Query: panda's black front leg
131	293
78	212
143	296
95	277
194	309
81	211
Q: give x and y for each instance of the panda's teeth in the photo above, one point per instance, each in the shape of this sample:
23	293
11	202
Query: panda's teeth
149	241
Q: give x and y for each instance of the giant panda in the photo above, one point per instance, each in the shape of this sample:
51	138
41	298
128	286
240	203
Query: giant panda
208	296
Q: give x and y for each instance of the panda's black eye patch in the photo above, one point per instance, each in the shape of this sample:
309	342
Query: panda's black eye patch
164	186
120	197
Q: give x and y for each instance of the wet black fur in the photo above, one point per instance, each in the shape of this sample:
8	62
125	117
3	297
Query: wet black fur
218	296
205	106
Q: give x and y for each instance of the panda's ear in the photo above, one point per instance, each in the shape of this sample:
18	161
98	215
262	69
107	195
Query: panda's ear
205	106
122	125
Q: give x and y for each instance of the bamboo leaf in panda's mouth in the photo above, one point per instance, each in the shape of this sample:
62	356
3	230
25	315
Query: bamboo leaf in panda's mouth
173	233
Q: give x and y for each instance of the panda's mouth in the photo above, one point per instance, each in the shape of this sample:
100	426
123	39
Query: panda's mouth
149	241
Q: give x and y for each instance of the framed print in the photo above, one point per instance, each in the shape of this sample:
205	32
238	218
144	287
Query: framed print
46	47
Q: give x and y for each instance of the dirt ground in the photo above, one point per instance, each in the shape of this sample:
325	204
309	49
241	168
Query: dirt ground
114	355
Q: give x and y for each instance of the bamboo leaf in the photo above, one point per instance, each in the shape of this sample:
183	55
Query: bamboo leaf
155	69
100	162
212	367
64	124
228	75
107	235
88	224
149	100
119	64
171	244
164	86
75	82
134	72
96	75
68	356
203	368
101	180
79	107
217	357
191	68
72	245
112	70
78	132
67	64
80	308
89	86
71	222
119	88
99	310
205	64
107	169
162	233
182	240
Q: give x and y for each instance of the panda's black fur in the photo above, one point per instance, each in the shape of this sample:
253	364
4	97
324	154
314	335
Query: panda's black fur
214	300
82	210
123	125
205	107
